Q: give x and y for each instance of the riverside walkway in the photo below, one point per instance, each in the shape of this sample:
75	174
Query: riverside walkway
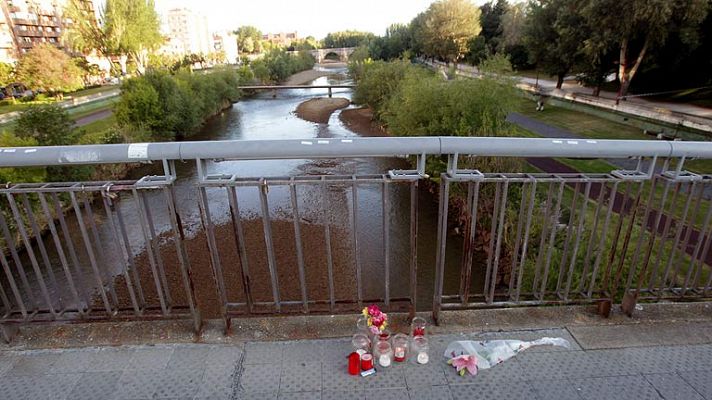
619	358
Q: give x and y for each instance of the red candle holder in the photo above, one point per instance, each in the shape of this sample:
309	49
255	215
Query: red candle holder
418	326
366	362
354	363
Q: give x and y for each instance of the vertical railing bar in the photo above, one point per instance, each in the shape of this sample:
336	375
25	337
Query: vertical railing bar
240	246
592	236
183	261
567	241
60	251
156	246
602	239
608	274
629	232
542	240
18	264
517	241
112	227
41	245
413	245
705	235
90	252
385	213
30	252
216	266
688	234
577	242
678	234
130	259
523	258
82	290
354	227
467	244
552	237
149	251
472	234
298	245
271	261
13	284
498	247
493	231
663	236
444	197
5	302
100	248
327	243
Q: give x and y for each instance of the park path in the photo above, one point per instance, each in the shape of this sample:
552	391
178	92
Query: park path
621	203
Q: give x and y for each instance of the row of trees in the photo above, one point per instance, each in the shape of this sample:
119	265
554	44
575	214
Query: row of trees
277	65
670	38
249	41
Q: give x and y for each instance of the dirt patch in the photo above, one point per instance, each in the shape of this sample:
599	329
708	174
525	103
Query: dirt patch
320	109
260	286
362	122
303	77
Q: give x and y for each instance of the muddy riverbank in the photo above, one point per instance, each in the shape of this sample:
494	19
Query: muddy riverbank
361	121
319	110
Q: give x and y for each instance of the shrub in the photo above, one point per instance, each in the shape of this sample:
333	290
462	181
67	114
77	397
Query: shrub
379	80
8	139
277	65
48	125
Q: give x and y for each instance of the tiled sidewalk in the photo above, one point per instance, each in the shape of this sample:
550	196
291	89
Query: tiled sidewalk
316	369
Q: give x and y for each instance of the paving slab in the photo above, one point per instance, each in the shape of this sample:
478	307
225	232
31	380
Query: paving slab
317	369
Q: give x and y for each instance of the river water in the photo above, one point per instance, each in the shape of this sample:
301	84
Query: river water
263	117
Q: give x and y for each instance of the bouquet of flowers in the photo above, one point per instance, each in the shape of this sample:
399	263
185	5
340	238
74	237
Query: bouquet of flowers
377	320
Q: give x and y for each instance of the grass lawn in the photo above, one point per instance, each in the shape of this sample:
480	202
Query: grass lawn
91	108
589	126
86	92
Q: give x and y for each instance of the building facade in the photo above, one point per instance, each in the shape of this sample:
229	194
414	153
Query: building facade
27	23
225	42
188	33
283	39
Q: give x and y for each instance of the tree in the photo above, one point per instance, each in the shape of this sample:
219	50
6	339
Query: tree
448	27
7	73
48	68
249	39
124	29
347	39
554	36
47	125
491	21
634	27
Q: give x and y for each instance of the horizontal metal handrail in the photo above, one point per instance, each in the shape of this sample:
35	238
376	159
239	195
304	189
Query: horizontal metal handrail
348	147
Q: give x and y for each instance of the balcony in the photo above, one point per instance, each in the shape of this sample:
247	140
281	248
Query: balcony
330	243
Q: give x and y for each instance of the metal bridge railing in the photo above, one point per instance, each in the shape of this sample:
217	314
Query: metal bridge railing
330	243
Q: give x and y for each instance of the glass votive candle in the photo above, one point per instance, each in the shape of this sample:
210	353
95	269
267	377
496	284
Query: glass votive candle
400	347
366	361
420	349
383	352
384	335
362	325
418	326
361	343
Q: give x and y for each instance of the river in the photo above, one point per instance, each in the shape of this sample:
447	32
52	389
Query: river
263	117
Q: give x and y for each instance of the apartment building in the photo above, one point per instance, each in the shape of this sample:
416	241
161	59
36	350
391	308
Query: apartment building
226	42
27	23
187	32
283	39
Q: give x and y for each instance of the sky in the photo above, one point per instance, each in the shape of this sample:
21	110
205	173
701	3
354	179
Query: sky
307	17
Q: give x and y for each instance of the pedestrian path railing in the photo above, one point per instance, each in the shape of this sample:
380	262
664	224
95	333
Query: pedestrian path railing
518	222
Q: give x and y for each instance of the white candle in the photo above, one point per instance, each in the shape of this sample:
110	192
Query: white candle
422	358
384	360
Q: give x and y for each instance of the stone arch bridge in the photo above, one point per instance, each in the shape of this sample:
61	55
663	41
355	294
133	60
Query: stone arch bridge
320	54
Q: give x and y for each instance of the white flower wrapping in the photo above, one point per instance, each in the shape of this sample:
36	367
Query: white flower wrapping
493	352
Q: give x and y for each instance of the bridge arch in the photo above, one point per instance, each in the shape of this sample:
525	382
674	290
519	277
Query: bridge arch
343	53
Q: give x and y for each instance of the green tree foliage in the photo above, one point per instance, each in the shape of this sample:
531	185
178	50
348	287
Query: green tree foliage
48	68
249	39
125	28
379	80
634	27
8	139
448	26
163	106
491	17
7	73
554	36
278	65
347	39
398	40
47	125
308	43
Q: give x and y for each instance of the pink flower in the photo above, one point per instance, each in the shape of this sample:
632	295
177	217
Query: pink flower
374	311
374	330
465	362
378	320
